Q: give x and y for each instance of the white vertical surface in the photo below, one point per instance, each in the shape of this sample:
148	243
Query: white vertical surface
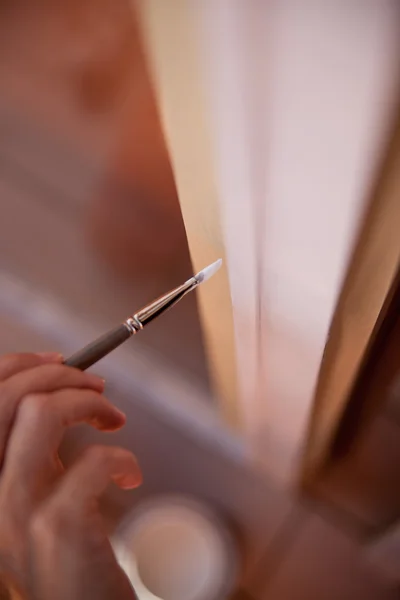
333	75
225	29
300	96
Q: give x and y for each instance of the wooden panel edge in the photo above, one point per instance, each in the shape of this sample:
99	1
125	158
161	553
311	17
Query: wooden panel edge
368	282
169	38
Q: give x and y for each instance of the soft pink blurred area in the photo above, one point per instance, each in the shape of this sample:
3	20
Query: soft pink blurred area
90	213
91	229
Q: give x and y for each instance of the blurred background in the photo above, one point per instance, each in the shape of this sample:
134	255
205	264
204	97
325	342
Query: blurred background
91	229
89	210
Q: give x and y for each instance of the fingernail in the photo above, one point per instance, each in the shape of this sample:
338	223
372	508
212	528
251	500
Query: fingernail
132	481
96	381
50	356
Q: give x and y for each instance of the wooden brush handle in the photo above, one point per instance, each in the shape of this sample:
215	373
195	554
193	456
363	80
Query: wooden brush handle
90	354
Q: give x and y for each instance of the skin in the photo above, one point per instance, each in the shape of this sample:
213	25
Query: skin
52	538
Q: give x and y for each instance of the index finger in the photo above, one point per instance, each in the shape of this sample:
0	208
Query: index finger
40	425
42	379
11	364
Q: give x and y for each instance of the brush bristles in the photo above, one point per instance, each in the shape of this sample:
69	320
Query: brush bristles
209	271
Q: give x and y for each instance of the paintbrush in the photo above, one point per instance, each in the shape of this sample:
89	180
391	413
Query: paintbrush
105	344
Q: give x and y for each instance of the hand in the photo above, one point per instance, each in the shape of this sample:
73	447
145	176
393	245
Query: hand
71	555
52	541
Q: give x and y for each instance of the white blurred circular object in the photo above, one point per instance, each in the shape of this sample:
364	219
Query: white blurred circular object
174	548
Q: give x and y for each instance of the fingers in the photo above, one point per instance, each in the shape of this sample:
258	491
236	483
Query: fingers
10	364
86	481
49	378
40	425
71	553
42	379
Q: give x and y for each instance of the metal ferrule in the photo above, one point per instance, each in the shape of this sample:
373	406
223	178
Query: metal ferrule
133	325
157	307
